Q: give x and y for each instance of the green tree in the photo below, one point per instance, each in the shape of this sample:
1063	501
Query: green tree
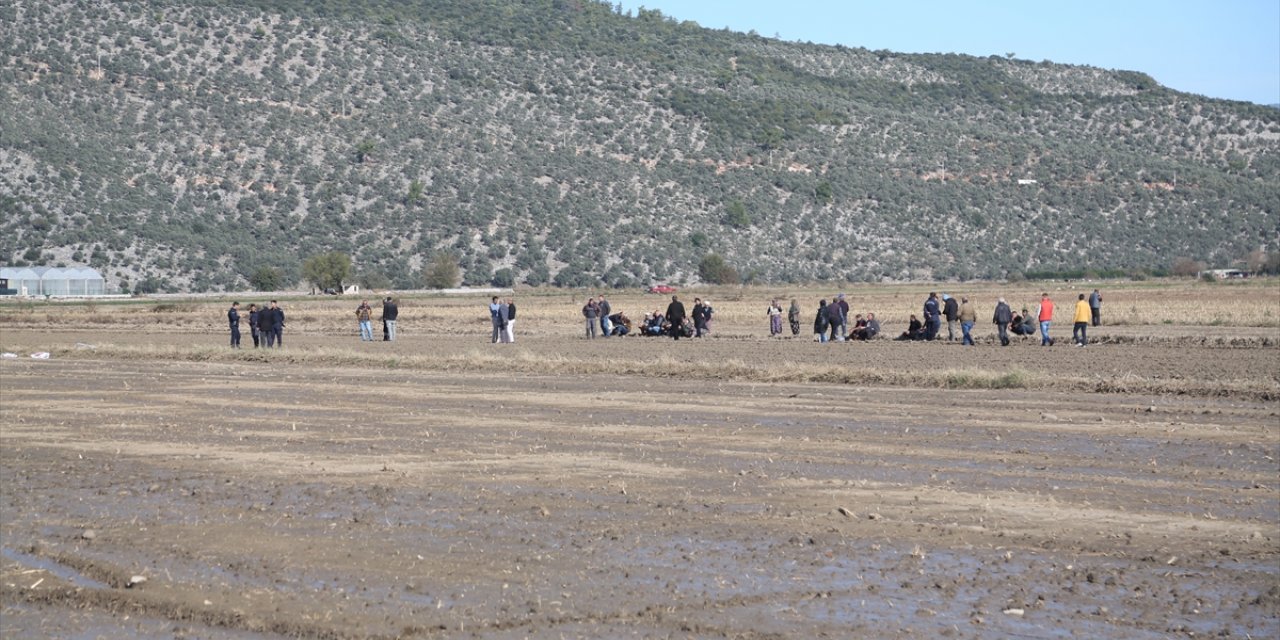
374	280
735	215
443	272
364	149
415	192
327	270
266	279
823	192
503	277
714	270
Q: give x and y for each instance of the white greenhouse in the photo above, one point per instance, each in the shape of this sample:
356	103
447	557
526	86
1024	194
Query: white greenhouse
54	281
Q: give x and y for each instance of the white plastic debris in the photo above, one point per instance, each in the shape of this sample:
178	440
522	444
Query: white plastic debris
8	355
40	355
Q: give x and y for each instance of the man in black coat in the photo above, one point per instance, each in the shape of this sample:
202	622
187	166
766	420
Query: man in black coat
1003	316
277	325
264	325
675	316
233	318
932	317
389	314
951	311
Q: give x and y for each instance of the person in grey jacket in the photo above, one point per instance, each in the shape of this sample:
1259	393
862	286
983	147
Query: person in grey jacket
1003	316
591	311
603	311
1095	307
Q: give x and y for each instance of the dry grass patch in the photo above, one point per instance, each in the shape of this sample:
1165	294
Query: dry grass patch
520	361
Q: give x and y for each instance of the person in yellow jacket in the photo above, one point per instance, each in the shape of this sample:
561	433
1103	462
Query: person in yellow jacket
1084	313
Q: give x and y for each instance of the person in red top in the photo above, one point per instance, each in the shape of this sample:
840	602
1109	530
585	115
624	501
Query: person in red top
1045	316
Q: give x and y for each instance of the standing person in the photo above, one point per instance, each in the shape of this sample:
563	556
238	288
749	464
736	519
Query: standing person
590	311
495	319
265	318
1083	314
951	311
604	310
820	322
1045	315
511	320
390	311
504	315
793	317
1003	316
253	323
233	318
1095	307
699	314
835	321
675	316
364	317
968	317
775	318
844	316
932	317
707	312
277	324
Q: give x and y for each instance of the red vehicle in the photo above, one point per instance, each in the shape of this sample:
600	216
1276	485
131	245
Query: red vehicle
662	288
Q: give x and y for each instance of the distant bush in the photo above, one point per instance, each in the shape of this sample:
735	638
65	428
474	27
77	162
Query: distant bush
714	270
443	273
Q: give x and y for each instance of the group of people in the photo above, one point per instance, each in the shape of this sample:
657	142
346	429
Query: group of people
266	324
831	323
364	319
502	313
675	322
1088	311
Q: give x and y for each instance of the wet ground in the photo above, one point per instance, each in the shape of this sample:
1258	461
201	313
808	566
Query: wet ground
260	500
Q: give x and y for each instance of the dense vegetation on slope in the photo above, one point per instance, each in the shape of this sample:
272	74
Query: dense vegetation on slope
191	144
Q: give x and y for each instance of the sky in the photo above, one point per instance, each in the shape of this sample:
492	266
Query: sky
1217	48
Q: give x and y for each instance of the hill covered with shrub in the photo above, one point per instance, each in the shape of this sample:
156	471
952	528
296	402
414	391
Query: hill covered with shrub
189	145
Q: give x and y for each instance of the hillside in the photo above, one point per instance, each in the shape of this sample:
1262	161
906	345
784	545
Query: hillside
188	144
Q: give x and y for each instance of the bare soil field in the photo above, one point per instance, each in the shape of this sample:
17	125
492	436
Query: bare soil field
156	484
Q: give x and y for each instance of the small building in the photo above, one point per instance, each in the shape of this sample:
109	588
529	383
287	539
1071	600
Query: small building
54	281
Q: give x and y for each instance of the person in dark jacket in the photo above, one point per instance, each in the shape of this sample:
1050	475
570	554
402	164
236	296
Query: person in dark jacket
253	324
700	317
604	310
844	316
590	311
835	320
277	324
511	320
1002	317
675	316
390	311
793	317
264	325
951	311
233	318
820	322
932	317
504	314
916	330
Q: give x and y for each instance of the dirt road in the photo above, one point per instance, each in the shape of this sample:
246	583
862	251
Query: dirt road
260	499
